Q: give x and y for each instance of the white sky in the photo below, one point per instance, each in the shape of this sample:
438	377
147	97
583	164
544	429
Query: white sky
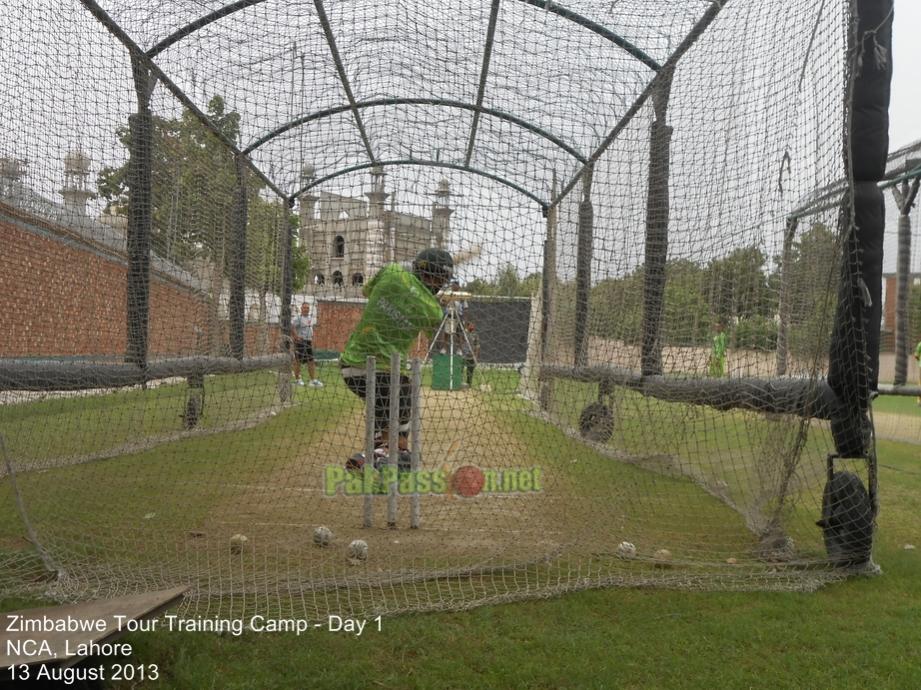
904	117
31	125
905	108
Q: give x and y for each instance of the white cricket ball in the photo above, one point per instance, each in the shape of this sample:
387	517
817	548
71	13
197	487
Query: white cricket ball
322	536
626	550
358	551
662	557
731	561
237	542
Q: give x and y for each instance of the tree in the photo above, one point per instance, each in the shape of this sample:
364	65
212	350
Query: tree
812	278
193	184
194	193
507	284
616	308
687	311
738	286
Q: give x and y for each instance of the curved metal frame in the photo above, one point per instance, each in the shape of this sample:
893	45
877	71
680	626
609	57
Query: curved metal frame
319	114
558	10
545	5
597	28
202	21
428	163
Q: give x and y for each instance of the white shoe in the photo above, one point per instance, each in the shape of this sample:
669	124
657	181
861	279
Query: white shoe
300	382
316	383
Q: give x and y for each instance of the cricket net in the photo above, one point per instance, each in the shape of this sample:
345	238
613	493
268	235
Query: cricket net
655	367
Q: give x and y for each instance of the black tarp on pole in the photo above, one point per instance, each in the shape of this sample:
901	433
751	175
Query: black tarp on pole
139	218
548	296
784	307
583	270
904	199
854	353
657	212
285	239
236	308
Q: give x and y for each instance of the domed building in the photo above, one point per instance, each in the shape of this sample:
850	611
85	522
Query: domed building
349	239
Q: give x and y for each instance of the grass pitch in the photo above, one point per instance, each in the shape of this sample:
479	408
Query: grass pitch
851	634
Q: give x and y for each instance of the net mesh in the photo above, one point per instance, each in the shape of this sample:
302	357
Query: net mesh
644	205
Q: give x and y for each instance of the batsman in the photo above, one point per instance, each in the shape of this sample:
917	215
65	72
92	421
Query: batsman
401	304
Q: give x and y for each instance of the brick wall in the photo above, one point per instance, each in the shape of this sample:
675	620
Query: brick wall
887	334
60	296
889	303
336	321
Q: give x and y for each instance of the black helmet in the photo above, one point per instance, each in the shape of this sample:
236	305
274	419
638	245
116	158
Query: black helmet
436	263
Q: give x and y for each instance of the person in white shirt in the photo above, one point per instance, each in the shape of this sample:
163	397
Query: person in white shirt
302	334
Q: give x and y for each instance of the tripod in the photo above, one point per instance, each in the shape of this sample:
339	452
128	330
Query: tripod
450	325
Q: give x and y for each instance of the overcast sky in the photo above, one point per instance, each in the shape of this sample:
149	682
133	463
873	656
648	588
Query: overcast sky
41	127
905	109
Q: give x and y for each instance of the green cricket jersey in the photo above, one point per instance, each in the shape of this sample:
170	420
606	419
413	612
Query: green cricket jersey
399	306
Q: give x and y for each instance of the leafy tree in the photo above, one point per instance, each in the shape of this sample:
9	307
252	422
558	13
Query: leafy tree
738	286
300	265
687	313
507	284
756	333
812	277
617	305
193	202
616	308
193	184
478	286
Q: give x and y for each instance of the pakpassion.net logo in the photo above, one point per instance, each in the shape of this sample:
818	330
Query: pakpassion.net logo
466	481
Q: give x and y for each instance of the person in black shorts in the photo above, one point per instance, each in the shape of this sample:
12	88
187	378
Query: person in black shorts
302	335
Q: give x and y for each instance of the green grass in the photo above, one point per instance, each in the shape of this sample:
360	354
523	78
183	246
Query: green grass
92	424
897	404
178	482
859	633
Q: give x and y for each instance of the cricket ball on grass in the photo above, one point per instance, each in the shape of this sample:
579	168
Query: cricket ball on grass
322	536
237	543
662	558
358	552
626	550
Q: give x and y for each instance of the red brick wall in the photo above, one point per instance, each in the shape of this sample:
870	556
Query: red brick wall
336	322
60	297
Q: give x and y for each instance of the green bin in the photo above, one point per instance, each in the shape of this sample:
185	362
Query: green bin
447	372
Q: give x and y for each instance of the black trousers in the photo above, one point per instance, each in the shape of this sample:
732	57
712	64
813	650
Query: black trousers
359	386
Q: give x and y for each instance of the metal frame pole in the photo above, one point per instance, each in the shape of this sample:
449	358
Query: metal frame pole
548	290
904	199
583	270
370	394
657	218
783	308
393	450
236	307
140	213
415	430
